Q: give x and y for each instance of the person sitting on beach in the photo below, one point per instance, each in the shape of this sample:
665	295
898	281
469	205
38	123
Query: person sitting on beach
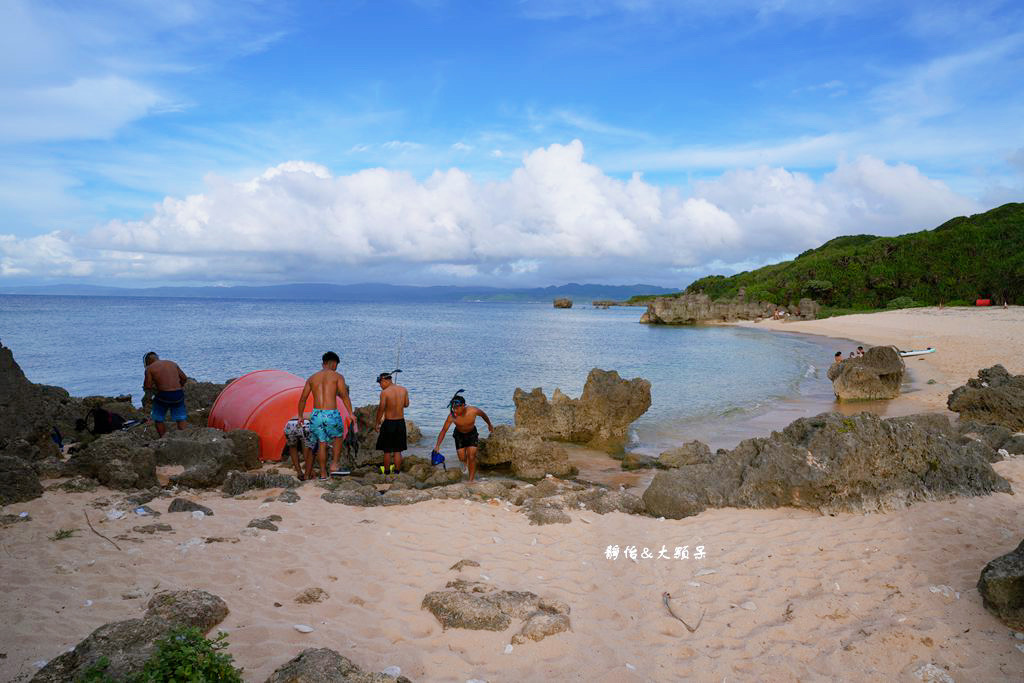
392	440
860	352
299	436
325	423
168	381
838	358
465	434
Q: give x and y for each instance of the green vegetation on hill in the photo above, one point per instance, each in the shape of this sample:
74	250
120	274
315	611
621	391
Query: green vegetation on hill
966	258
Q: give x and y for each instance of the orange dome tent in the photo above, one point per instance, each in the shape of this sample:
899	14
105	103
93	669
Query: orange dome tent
263	401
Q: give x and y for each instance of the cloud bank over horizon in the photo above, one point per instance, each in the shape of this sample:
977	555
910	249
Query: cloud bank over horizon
555	218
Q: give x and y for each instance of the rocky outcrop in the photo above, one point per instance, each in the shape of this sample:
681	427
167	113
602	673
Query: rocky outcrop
995	397
562	302
529	456
320	665
480	606
875	376
127	645
207	454
366	417
121	460
29	413
1002	588
600	417
690	453
18	481
832	463
693	309
237	483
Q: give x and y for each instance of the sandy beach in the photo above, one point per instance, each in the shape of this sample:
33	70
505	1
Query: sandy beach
967	340
786	594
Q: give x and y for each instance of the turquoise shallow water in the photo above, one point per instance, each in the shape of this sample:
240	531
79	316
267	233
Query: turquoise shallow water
700	376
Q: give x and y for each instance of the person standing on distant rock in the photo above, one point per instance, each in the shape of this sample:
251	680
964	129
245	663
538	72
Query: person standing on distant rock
392	439
838	358
860	352
327	386
465	434
168	381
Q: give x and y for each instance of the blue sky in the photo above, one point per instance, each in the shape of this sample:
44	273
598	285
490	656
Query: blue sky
514	142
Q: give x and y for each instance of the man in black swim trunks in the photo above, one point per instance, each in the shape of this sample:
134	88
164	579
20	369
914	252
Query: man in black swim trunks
394	400
465	434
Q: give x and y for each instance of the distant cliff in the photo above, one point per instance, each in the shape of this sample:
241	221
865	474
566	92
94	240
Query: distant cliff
693	309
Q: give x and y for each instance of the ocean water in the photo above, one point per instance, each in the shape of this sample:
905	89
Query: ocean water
700	376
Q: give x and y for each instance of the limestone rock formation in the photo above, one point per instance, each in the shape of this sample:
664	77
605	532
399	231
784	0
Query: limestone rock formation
207	454
995	397
832	463
693	309
480	606
128	644
877	375
1002	587
18	481
321	665
529	456
120	460
690	453
600	417
562	302
237	483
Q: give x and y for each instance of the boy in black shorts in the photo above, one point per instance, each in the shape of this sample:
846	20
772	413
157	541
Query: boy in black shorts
465	434
394	400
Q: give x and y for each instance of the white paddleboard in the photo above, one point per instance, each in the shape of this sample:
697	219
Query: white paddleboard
919	352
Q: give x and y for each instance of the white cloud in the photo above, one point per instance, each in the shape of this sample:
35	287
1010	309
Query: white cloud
556	216
87	108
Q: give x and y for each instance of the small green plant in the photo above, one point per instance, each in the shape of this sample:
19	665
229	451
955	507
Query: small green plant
96	673
185	656
61	534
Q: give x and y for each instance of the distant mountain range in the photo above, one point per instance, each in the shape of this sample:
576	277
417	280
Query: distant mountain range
363	293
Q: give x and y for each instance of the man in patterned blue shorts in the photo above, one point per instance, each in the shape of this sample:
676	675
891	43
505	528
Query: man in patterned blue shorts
327	386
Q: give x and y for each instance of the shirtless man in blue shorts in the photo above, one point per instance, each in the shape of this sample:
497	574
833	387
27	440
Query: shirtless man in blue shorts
326	424
168	381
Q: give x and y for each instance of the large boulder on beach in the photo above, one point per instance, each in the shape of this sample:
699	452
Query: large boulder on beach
833	463
994	397
600	417
120	460
1001	586
127	645
321	665
482	607
18	481
529	456
877	375
207	454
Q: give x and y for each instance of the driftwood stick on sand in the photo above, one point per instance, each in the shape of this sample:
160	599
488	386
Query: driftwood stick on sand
98	533
665	597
